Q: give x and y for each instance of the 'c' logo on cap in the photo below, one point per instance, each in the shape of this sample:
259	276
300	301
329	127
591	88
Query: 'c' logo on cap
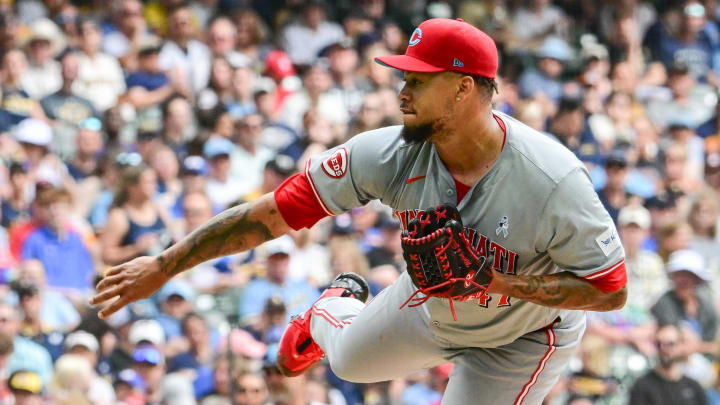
415	37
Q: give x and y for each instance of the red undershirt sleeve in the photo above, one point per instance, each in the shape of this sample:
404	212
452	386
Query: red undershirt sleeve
297	202
610	279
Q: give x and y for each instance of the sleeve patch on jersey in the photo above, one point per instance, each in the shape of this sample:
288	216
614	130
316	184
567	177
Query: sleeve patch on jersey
608	241
336	165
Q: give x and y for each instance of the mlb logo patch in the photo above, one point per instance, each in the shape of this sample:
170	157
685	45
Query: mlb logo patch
608	241
336	165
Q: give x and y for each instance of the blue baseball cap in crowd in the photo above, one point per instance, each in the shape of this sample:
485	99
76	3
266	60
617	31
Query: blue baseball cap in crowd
193	165
617	157
132	378
554	48
148	354
90	123
217	146
176	287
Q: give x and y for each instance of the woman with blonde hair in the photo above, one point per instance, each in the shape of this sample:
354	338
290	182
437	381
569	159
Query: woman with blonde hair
136	225
346	256
703	218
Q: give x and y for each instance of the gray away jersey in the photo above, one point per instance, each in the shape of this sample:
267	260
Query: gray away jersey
535	212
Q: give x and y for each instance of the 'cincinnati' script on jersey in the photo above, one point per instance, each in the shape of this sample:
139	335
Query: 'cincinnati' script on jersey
504	260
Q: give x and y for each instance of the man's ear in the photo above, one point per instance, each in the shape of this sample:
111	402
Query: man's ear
465	87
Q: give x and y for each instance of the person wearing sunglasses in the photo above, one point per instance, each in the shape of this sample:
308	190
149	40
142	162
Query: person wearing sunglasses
666	384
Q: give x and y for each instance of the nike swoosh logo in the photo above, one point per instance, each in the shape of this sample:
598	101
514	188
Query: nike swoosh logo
411	179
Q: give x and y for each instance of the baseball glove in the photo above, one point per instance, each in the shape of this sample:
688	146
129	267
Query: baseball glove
440	260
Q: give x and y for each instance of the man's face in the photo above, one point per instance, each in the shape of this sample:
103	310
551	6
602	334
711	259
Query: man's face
197	331
150	373
176	306
551	67
425	102
30	305
220	166
616	173
675	160
69	67
222	37
197	210
343	60
40	50
179	113
314	15
180	24
667	340
58	211
277	267
150	62
632	234
89	142
32	272
132	16
91	37
251	390
317	80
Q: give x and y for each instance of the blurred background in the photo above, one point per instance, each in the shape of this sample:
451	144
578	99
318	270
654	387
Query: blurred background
125	124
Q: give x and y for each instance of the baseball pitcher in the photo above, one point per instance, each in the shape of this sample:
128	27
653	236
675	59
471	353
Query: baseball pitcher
506	242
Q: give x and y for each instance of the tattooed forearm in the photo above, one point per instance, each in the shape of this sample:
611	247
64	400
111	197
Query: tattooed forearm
561	290
234	230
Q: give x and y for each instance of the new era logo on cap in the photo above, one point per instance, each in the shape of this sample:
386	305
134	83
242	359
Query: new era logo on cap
442	44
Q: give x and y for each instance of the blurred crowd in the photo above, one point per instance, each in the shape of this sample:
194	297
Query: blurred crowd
125	124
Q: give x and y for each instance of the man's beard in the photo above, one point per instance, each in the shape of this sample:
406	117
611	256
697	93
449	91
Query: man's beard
417	133
668	361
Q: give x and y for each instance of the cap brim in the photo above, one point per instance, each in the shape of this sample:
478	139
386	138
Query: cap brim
408	64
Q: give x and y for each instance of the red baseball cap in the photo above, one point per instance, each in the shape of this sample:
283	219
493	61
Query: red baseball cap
442	44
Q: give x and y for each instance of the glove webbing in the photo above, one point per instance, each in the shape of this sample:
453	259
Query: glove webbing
445	266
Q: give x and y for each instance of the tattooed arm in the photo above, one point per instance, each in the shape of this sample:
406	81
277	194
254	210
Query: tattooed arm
561	290
234	230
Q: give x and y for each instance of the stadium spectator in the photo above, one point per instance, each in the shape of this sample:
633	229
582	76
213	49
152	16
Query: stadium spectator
182	54
303	39
296	293
135	225
26	387
42	77
665	384
26	354
63	253
690	44
64	105
100	78
545	80
689	304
